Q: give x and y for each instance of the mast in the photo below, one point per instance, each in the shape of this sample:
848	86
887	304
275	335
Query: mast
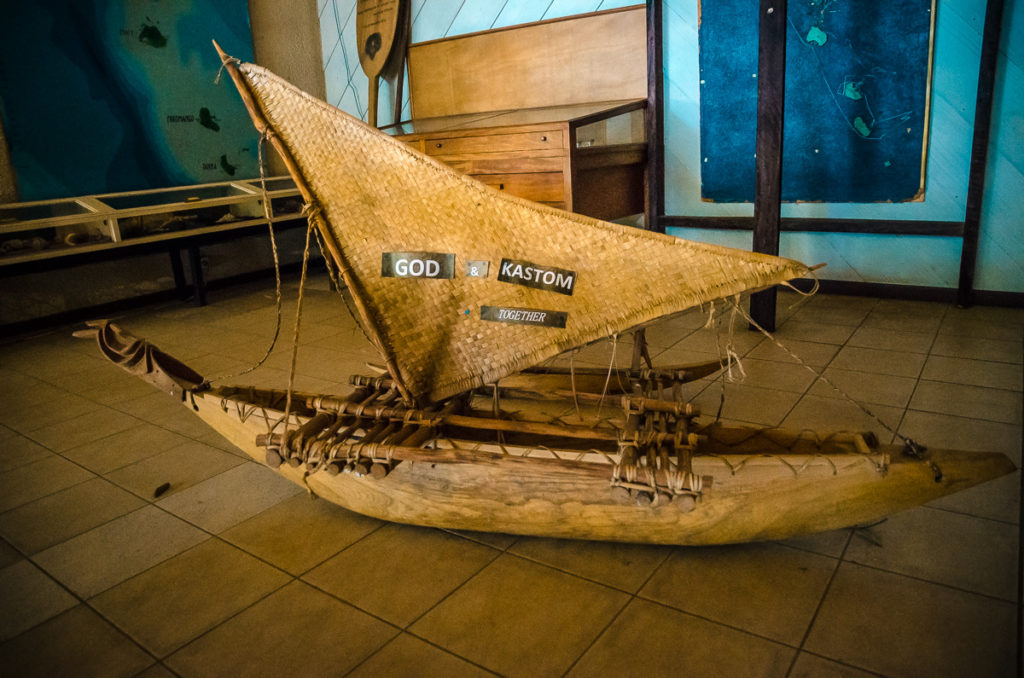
264	127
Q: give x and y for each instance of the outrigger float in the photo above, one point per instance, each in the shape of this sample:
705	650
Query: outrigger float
466	292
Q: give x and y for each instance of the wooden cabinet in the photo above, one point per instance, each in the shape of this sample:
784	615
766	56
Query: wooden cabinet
585	158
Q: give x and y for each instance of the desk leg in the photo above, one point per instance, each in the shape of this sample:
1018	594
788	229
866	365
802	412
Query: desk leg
198	282
178	270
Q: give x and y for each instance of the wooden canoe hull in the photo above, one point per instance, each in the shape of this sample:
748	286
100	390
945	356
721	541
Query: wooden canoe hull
747	497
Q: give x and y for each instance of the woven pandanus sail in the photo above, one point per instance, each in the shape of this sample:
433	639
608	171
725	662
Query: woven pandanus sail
460	284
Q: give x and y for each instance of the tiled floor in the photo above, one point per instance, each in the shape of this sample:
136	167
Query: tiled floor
234	571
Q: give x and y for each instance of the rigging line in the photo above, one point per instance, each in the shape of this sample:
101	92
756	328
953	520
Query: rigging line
277	264
611	365
340	287
310	217
572	382
912	447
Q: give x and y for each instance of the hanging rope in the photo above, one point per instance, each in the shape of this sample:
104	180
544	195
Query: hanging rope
277	263
310	213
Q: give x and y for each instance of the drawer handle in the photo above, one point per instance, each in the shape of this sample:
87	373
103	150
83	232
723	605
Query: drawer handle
437	145
544	138
501	187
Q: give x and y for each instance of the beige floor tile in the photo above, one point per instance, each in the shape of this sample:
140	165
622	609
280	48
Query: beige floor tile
183	597
677	355
904	318
622	566
651	640
975	402
155	408
409	656
296	631
156	671
182	466
995	315
83	429
77	643
766	589
836	314
8	554
95	374
669	331
29	598
973	372
300	532
107	555
227	499
831	543
52	519
947	548
866	387
809	352
495	540
892	340
518	618
715	340
17	450
827	415
959	433
900	626
997	499
127	387
27	483
800	330
808	665
958	323
776	375
23	390
998	350
124	448
26	417
896	363
400	571
748	403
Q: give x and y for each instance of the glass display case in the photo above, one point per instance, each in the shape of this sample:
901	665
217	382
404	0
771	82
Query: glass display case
54	228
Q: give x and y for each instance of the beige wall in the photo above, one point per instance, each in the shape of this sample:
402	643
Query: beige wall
286	40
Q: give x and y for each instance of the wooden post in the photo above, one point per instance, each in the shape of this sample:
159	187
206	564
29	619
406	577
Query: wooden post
195	262
654	181
771	94
979	149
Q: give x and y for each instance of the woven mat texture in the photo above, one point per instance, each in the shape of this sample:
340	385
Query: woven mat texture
378	195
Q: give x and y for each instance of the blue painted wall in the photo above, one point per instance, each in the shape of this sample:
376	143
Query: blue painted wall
932	261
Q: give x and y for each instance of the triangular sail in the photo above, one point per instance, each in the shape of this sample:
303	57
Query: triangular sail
461	284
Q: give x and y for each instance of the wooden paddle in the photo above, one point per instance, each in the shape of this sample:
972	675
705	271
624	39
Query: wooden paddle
377	24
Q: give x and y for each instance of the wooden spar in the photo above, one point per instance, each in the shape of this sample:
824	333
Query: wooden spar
264	128
464	421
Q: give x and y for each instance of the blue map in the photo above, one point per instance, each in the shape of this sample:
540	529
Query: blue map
855	121
104	96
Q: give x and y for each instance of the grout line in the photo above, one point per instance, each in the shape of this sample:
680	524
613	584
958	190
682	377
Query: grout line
821	603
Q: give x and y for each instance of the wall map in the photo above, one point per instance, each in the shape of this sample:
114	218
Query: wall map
115	96
856	109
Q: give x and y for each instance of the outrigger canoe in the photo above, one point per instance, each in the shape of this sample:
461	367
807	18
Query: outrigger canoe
466	293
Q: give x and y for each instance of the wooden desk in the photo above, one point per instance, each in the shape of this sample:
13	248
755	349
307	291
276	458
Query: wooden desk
585	158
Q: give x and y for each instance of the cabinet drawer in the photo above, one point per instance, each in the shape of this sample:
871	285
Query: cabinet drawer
494	143
512	162
537	186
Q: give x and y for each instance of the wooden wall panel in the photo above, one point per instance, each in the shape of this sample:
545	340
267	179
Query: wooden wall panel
596	57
